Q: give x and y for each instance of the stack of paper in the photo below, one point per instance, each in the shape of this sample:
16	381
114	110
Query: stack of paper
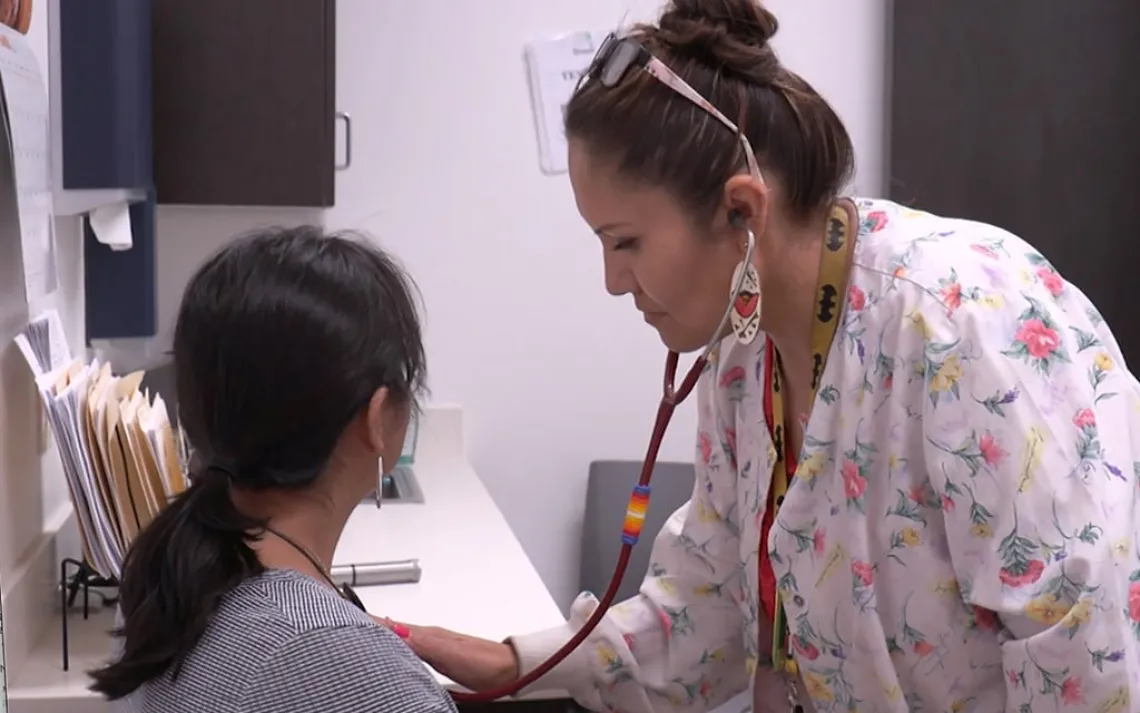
116	443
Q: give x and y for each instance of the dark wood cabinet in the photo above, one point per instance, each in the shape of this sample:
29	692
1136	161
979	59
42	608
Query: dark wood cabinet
244	102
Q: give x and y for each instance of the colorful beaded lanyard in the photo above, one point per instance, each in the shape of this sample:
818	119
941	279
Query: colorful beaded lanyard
825	322
635	515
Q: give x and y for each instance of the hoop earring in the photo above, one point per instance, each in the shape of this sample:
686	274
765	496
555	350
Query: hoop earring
380	483
746	297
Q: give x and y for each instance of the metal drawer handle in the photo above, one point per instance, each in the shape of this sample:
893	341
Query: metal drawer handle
343	116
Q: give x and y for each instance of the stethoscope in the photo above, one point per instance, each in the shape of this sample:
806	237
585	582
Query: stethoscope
672	395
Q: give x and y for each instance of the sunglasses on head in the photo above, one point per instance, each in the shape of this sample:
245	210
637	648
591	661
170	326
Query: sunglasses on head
618	55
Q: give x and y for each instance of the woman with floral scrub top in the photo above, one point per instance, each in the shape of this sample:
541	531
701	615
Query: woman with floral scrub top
917	480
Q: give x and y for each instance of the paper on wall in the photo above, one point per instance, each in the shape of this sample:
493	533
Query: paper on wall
554	66
29	139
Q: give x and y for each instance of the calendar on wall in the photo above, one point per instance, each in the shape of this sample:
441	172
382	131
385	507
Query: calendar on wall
26	120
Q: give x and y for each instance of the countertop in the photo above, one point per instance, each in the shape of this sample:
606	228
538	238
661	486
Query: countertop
476	577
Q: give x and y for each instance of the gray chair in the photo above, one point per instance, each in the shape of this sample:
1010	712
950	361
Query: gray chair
607	495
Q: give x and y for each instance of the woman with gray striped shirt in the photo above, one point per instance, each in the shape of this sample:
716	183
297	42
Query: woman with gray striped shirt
298	359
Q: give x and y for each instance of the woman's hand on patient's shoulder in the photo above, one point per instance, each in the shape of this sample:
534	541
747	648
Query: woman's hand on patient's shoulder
477	664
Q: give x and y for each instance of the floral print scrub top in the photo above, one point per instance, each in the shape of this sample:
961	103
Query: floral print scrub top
961	534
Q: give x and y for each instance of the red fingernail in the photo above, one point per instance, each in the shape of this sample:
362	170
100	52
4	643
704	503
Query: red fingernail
401	631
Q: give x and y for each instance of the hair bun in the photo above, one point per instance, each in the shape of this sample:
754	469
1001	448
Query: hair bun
745	21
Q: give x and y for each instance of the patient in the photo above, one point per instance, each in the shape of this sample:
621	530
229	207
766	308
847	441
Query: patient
298	359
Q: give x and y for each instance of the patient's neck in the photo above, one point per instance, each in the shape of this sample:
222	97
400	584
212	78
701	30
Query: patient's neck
316	532
312	519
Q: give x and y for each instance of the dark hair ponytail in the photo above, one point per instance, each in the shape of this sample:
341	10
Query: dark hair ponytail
282	338
174	577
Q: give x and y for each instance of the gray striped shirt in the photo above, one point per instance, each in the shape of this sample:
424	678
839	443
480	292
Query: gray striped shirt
284	643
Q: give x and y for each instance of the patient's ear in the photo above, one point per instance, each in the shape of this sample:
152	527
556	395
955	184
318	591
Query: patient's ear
380	420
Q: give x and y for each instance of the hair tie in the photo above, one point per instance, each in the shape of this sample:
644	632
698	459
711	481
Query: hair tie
222	467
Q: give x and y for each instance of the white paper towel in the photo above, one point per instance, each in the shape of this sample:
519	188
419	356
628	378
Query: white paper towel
112	225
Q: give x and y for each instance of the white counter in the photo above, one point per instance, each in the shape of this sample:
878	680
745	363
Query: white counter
476	577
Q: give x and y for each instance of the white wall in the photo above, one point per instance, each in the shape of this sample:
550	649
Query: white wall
553	373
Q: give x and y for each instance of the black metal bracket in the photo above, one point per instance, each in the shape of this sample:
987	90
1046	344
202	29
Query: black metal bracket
75	576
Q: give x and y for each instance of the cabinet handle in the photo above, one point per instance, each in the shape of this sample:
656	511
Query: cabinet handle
343	116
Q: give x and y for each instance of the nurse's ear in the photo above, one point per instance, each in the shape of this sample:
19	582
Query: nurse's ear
748	202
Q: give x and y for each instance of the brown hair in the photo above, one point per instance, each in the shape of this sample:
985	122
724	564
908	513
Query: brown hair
721	48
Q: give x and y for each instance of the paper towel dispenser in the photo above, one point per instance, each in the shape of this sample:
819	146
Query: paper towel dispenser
105	94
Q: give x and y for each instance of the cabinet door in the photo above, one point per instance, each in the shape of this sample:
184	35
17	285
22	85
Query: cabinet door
244	102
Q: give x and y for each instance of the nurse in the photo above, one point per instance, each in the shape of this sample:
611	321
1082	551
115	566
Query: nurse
918	445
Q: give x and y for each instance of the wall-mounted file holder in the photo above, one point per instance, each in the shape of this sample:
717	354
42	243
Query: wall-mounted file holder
100	93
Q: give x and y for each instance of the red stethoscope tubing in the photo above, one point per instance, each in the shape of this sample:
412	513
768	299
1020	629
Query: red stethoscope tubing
671	397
